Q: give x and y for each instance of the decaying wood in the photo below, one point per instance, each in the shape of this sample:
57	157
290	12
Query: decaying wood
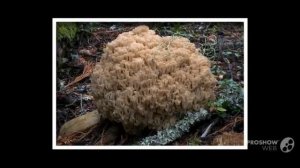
80	123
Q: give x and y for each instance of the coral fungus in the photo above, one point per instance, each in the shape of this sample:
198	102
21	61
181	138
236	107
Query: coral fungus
144	80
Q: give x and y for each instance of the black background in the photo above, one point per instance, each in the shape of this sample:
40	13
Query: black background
272	81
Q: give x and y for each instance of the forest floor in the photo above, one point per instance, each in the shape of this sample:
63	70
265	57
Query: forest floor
222	43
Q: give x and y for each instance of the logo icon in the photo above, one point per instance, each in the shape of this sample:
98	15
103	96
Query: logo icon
287	145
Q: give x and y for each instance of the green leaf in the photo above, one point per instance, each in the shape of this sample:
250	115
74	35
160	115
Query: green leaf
221	109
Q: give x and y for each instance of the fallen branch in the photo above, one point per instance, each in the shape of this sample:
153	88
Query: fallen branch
168	135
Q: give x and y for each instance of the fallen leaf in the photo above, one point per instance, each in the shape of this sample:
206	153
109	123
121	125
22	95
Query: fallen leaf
80	123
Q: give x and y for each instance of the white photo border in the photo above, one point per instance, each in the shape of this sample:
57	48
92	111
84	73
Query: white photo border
54	22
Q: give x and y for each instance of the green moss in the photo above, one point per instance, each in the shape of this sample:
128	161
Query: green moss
66	31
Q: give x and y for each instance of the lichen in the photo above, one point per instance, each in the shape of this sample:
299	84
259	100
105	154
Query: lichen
170	134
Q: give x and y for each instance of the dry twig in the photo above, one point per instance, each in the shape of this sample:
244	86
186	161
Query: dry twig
87	71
